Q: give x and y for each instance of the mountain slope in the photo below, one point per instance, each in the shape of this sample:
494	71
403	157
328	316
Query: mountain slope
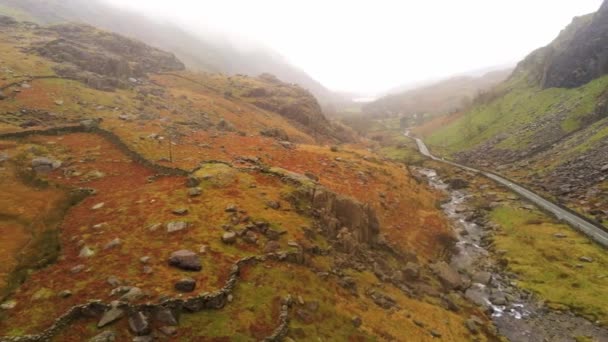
552	138
209	52
437	99
197	206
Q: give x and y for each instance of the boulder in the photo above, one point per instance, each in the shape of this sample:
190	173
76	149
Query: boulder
168	331
139	324
449	277
271	247
185	285
192	182
112	244
229	238
483	278
356	320
43	164
110	316
86	252
166	316
180	211
585	259
176	226
194	192
250	237
132	295
185	260
411	271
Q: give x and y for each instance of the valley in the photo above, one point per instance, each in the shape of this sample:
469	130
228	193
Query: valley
159	185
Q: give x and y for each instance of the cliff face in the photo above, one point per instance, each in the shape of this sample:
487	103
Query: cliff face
583	56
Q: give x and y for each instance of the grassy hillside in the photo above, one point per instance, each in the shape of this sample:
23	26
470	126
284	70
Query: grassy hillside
234	169
552	139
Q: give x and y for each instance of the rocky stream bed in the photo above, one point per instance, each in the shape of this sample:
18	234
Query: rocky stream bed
517	314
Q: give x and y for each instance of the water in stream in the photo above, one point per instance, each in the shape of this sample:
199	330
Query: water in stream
516	313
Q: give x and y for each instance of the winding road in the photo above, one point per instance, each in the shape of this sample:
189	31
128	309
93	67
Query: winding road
593	231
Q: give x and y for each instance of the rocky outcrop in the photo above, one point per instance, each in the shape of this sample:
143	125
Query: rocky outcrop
577	56
582	58
101	59
338	215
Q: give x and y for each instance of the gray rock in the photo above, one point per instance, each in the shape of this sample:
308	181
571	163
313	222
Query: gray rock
449	277
77	269
111	316
113	244
139	324
185	285
229	237
144	259
250	237
411	271
273	205
147	338
8	305
114	281
43	164
176	226
106	336
477	296
185	260
271	247
472	326
65	294
192	182
231	208
193	192
134	294
166	316
86	252
482	278
585	259
168	331
180	211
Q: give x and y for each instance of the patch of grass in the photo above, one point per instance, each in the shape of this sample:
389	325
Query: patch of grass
550	266
522	104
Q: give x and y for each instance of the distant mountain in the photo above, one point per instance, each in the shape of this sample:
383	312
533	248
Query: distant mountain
439	98
209	52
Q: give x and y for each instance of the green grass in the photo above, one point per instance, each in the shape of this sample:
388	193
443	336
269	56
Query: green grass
550	266
522	104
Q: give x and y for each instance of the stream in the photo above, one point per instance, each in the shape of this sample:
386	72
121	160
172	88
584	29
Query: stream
517	314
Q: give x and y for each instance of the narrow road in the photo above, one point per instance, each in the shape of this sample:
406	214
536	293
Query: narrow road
593	231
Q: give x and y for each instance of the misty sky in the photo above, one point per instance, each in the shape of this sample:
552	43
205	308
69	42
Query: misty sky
370	46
